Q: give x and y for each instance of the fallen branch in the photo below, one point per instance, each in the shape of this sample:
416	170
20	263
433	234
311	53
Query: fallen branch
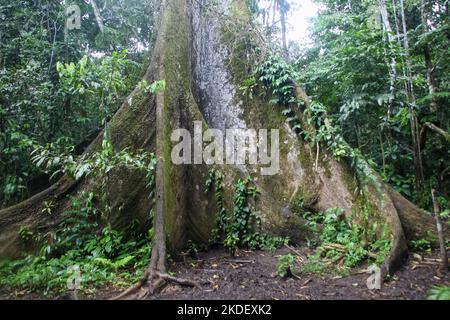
303	257
335	246
344	249
372	255
337	260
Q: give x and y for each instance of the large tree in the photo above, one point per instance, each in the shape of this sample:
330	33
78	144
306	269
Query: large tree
202	54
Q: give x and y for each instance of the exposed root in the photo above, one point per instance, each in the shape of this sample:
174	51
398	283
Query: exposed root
153	282
134	289
155	277
180	281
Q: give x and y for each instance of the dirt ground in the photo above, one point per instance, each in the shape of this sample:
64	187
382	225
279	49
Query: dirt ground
251	276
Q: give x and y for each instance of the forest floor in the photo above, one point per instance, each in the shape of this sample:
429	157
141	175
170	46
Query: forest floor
252	275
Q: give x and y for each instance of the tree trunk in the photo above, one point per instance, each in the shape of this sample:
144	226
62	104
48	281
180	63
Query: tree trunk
282	7
440	228
415	130
98	16
197	56
392	64
428	61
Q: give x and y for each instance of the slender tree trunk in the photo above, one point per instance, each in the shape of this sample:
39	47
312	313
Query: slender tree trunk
53	46
282	6
392	65
428	60
98	16
274	17
440	232
383	155
159	251
1	57
415	131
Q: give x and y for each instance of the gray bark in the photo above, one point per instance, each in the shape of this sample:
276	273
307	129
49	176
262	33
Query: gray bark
393	61
428	60
98	16
415	131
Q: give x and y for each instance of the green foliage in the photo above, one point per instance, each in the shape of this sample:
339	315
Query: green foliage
349	243
257	241
93	87
338	231
102	254
58	88
319	266
420	245
100	259
276	79
84	240
26	111
348	69
237	230
25	234
48	207
439	293
96	87
80	224
243	217
153	88
285	265
326	132
96	164
215	178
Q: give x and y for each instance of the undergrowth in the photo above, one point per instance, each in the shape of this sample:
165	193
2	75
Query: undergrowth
85	249
239	229
342	244
285	265
439	293
100	255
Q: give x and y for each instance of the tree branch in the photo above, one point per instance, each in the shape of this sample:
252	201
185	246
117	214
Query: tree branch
98	16
430	126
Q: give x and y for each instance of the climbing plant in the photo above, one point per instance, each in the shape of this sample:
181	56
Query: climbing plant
240	228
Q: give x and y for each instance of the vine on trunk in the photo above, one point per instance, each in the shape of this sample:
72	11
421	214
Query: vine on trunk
238	229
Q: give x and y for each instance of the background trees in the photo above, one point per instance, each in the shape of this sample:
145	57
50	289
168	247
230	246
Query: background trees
55	86
382	68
